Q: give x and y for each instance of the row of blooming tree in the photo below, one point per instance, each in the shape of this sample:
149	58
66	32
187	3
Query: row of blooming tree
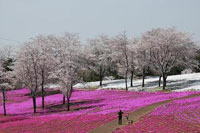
158	49
62	58
47	58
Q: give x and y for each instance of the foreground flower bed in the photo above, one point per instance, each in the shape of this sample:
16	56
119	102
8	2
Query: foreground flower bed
178	116
89	109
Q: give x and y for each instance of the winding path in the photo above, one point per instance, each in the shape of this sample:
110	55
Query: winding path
135	116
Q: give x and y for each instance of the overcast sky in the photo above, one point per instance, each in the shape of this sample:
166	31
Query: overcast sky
22	19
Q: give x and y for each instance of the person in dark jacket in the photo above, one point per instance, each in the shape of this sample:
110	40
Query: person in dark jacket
120	117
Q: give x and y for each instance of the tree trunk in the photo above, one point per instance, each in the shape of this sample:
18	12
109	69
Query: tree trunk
4	101
160	80
143	77
101	79
126	80
42	89
164	81
43	96
132	72
34	103
63	99
68	104
101	74
36	87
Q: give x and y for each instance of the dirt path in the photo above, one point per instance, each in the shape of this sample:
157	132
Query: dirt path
135	116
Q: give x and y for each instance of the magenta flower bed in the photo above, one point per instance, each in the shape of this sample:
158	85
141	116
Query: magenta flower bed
177	116
15	96
89	109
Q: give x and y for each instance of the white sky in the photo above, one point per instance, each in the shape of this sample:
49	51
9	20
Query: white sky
23	19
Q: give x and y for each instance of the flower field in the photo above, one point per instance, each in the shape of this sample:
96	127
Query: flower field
90	109
177	116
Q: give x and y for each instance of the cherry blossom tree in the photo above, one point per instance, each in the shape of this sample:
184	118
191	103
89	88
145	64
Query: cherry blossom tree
26	69
143	57
120	55
169	47
132	57
67	62
125	54
99	56
45	63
